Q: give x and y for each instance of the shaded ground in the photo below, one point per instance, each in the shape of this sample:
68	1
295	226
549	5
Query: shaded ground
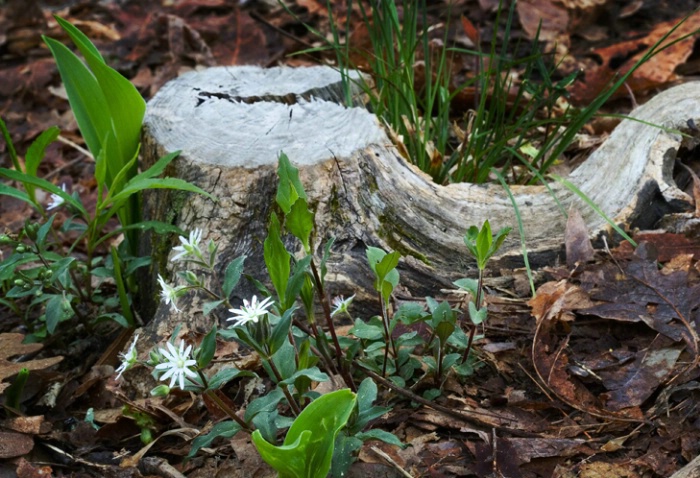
598	375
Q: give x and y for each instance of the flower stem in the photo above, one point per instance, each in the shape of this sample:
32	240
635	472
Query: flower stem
227	410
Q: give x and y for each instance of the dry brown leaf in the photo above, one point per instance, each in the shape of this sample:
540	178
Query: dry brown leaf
10	346
658	71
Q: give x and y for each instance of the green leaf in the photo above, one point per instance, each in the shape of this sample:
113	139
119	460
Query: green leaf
308	446
10	145
362	330
297	282
36	151
58	309
44	230
232	275
35	154
477	316
470	285
126	107
276	258
312	373
158	167
86	98
300	222
225	429
207	349
281	331
209	306
382	435
43	184
344	454
121	288
267	402
135	186
6	190
225	375
289	188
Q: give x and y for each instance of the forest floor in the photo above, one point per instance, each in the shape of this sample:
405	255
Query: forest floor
619	399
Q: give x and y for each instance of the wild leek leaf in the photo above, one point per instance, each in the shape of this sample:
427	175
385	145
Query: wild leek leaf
308	446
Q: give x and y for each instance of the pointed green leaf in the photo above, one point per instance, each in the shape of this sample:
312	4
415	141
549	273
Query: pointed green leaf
300	222
277	258
232	275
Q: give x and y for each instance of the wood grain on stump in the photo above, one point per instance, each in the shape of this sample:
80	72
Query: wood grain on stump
232	122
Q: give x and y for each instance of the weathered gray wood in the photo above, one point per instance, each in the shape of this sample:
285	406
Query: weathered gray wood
231	123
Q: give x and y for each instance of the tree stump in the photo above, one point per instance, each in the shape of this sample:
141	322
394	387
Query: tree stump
232	122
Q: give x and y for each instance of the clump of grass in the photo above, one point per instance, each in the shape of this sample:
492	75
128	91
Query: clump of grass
519	128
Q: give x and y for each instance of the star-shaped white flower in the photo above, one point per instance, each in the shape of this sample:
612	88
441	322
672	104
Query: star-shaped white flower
168	293
128	359
341	305
189	247
177	365
55	200
251	311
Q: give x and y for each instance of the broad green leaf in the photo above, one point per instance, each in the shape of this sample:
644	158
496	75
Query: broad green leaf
6	190
470	285
209	306
44	230
232	275
121	288
267	402
362	330
300	222
312	373
382	435
36	151
158	167
289	188
297	282
58	309
135	186
44	184
308	446
10	145
35	154
126	106
207	349
281	331
225	375
477	316
277	258
85	96
225	429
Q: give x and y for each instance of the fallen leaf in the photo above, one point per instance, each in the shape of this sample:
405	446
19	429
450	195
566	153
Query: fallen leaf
579	249
619	58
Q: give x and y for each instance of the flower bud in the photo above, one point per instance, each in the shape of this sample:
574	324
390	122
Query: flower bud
160	391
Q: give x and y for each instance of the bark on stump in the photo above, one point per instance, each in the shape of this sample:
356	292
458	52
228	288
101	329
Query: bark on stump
232	122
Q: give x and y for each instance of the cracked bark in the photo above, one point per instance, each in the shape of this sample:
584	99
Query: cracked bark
231	123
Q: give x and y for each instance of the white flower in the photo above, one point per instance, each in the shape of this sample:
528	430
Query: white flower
189	246
55	200
251	311
128	359
341	305
168	293
178	364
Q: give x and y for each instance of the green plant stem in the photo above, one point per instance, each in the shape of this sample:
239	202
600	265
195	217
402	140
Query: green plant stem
321	352
278	376
327	312
227	410
472	331
387	335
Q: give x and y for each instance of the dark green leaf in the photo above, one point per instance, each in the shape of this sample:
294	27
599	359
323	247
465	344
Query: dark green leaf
300	222
290	188
225	375
207	349
277	258
225	429
232	275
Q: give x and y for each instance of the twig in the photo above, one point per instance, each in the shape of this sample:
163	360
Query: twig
391	461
